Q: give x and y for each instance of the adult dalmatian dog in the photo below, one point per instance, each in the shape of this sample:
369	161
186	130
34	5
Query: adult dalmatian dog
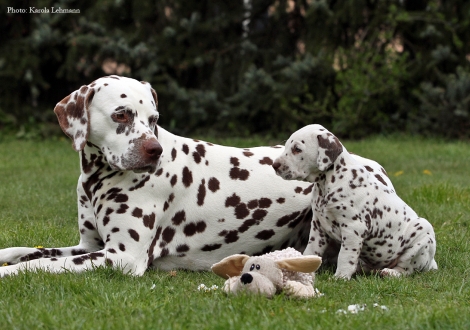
357	207
149	198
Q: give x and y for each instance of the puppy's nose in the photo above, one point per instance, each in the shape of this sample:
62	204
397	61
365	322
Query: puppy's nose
276	166
152	148
246	278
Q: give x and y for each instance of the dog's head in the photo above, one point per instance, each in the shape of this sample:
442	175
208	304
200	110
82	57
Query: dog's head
309	151
261	275
119	116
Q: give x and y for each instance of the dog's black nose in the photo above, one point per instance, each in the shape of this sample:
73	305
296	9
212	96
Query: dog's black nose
246	278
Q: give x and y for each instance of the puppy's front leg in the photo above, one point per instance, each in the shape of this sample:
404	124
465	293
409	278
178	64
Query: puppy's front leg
348	257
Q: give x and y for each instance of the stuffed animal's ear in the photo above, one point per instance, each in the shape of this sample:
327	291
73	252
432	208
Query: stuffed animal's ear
304	264
72	113
230	266
329	148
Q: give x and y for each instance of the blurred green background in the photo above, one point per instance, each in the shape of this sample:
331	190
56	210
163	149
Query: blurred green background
243	67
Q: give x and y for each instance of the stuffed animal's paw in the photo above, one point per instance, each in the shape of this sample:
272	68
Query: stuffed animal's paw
299	290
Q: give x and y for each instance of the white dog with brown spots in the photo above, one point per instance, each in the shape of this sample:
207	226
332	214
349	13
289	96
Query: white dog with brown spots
356	207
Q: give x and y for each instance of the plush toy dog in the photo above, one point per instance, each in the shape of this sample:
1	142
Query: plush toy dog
284	270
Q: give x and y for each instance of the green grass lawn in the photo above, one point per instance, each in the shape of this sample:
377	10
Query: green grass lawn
38	207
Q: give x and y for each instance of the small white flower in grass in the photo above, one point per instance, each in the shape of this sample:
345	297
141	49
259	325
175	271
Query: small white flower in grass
204	288
153	286
382	307
341	311
354	309
318	293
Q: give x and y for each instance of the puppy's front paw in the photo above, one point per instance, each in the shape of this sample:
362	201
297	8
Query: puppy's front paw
343	276
388	272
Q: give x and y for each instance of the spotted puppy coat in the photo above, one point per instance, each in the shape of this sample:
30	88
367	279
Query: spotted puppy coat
357	207
149	198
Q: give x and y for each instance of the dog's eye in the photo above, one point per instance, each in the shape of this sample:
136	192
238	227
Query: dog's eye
153	121
252	267
120	117
258	267
296	150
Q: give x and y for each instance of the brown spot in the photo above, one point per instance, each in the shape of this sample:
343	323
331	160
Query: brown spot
237	173
234	161
214	184
178	218
211	247
381	179
233	200
173	180
88	225
201	193
187	177
182	248
168	234
298	190
241	211
248	153
192	228
265	234
201	150
173	154
185	149
135	235
266	161
281	200
149	220
231	236
197	157
259	214
253	204
123	95
265	203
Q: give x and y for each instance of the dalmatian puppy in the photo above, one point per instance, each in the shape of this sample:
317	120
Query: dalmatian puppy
356	207
149	198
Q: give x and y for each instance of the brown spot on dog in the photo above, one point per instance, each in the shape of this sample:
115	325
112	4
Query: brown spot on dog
179	217
192	228
211	247
173	154
135	235
187	177
266	161
233	200
201	193
265	234
185	149
214	184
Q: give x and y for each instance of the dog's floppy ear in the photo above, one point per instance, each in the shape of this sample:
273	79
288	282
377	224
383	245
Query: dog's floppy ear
304	264
230	266
329	148
72	113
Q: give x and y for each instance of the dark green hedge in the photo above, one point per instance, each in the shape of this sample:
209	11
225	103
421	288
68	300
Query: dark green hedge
359	67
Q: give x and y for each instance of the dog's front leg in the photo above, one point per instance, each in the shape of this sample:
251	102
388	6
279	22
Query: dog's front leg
351	246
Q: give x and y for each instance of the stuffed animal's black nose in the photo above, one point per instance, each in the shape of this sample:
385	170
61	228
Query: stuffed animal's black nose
246	278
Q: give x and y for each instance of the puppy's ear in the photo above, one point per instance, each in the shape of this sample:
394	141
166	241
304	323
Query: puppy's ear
304	264
230	266
329	148
73	116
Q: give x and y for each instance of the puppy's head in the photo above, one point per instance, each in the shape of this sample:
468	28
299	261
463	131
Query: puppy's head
308	152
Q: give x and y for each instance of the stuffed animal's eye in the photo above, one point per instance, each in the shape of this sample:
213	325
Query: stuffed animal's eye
258	267
252	267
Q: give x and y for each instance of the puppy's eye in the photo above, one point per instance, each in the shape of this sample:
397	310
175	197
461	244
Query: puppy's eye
258	267
252	267
296	150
